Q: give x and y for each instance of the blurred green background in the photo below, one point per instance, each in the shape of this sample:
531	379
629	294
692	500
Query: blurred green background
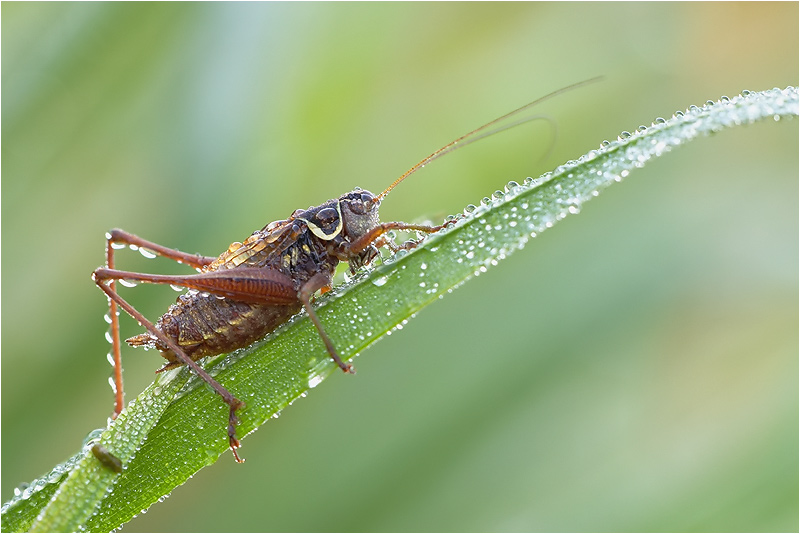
635	368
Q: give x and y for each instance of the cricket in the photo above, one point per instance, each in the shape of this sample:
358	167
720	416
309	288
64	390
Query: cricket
256	285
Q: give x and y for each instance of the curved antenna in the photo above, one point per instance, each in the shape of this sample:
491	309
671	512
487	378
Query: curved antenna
481	132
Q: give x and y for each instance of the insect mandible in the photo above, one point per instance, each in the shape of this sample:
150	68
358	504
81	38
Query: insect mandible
256	285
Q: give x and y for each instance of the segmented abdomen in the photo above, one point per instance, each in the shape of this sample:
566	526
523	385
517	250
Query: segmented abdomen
206	325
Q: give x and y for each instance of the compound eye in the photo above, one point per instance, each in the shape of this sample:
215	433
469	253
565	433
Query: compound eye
327	216
367	198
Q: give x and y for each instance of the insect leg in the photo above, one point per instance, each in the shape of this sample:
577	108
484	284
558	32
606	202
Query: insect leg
315	283
116	354
384	241
368	238
117	236
104	281
121	236
245	284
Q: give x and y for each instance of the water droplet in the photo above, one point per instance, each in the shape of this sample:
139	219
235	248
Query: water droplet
92	437
314	381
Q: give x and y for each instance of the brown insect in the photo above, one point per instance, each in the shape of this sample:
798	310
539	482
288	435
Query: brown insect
257	285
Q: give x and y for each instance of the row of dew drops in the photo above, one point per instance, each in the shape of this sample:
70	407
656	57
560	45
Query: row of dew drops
569	185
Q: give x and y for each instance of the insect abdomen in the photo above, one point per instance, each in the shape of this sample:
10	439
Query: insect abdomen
206	325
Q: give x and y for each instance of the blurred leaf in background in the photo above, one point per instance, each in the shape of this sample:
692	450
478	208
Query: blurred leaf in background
633	369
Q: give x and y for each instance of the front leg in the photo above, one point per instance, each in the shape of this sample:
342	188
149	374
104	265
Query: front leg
365	257
375	234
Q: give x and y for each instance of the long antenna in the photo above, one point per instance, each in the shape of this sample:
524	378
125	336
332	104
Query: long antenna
479	133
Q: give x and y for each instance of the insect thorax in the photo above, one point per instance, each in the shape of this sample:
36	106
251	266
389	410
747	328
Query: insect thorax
341	220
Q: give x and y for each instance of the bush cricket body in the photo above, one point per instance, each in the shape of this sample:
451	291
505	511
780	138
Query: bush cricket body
258	284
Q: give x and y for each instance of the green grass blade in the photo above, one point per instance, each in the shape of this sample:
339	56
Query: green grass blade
20	512
274	372
64	499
